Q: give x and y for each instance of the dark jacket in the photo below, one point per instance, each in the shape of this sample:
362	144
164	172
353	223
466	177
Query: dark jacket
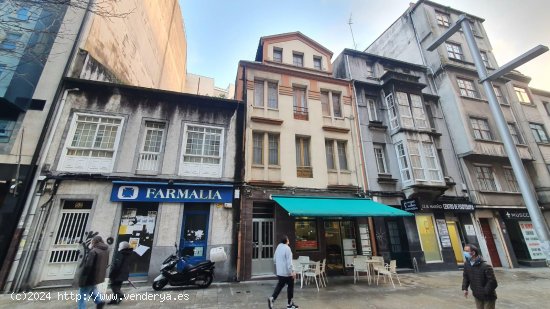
480	277
94	266
120	269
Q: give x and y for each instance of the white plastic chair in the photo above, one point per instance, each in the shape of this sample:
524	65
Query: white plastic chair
314	272
360	265
297	268
324	271
385	271
393	270
303	261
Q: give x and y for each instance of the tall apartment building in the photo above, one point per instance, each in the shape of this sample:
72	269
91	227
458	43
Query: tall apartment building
133	42
303	168
490	182
410	161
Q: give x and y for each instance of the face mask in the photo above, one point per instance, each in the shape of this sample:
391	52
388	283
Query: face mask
467	255
90	246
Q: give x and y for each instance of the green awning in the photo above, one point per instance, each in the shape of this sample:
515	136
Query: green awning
315	206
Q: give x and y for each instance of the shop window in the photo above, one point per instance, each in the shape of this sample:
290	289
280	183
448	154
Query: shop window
306	234
428	238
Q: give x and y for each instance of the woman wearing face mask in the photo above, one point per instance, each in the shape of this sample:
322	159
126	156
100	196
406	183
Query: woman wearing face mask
480	277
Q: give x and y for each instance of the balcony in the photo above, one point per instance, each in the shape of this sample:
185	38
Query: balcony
301	113
148	162
496	149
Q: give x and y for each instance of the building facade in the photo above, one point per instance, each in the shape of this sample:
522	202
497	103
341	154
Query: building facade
409	160
490	182
150	167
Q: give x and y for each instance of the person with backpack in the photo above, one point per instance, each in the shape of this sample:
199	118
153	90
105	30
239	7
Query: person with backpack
92	273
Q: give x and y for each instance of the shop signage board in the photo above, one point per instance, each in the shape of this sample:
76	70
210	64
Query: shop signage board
170	193
531	240
515	214
443	232
462	207
410	205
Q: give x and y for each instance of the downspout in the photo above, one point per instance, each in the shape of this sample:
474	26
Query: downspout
38	154
363	158
241	223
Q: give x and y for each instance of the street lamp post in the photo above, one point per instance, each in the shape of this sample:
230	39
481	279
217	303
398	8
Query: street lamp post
523	181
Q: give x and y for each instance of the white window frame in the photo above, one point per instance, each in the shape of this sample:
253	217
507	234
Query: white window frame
484	187
467	88
392	112
144	140
437	168
331	94
417	145
454	51
443	19
265	100
371	109
511	180
380	154
522	95
332	145
475	124
403	170
199	171
265	144
75	163
485	58
411	110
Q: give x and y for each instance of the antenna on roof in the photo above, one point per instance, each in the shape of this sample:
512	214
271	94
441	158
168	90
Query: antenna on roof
351	30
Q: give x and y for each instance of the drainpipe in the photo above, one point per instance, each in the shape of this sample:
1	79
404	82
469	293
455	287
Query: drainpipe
241	223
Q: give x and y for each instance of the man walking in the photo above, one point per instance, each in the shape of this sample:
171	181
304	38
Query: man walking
285	273
93	272
480	277
120	271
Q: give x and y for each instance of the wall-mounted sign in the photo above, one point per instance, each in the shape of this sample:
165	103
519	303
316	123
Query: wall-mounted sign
170	193
443	232
410	205
470	230
462	207
515	214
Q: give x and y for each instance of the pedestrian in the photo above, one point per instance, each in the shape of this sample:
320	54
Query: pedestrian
480	277
94	267
285	273
120	271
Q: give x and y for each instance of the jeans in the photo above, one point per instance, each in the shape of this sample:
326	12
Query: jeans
86	293
289	281
485	304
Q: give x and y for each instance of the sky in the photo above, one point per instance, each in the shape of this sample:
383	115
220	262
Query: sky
222	32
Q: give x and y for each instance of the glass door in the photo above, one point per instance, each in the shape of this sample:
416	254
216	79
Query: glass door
428	238
194	232
333	243
455	241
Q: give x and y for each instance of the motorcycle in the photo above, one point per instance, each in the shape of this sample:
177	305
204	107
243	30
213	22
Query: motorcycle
201	274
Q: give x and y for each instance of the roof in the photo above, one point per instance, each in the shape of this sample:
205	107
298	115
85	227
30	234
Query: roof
446	8
289	35
386	59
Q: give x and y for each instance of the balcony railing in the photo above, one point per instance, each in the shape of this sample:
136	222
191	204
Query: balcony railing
148	162
301	112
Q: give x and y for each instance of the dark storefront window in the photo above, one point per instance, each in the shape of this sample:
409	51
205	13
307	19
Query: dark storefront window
306	234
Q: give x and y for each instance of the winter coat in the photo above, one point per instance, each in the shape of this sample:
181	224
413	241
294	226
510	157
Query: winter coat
120	269
94	266
480	277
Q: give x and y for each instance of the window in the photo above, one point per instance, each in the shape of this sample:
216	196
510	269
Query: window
432	167
500	97
370	70
403	162
258	150
272	94
416	160
23	13
485	59
306	234
481	129
149	156
521	94
300	103
467	88
298	59
371	106
392	112
333	148
336	107
511	180
6	129
202	151
454	51
277	54
92	143
544	103
303	157
486	178
380	157
515	133
317	63
539	132
10	41
442	19
411	110
325	104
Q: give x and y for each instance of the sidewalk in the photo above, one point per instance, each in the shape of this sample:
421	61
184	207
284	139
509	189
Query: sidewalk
523	287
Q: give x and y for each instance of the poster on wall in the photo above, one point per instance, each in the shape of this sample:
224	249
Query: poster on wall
470	230
531	240
364	234
443	232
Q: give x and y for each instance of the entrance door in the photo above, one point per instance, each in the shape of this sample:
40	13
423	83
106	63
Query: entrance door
489	239
398	244
263	246
194	232
455	241
63	254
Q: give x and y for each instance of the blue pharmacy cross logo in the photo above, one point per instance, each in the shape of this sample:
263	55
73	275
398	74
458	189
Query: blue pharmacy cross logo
128	192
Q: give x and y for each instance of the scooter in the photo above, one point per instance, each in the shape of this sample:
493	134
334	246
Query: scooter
200	274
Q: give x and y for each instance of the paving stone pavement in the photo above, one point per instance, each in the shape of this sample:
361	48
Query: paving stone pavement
518	288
